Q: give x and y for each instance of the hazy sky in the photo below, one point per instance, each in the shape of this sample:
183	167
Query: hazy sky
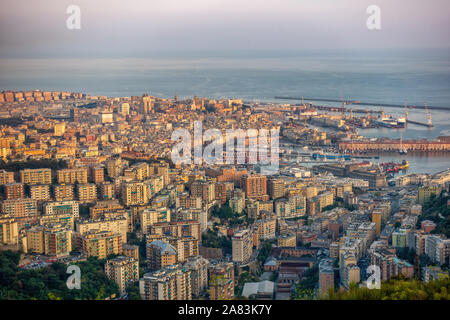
135	28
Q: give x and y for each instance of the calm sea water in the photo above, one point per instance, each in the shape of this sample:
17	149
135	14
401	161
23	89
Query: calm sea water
389	76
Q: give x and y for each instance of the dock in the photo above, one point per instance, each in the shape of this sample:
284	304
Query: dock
362	103
429	125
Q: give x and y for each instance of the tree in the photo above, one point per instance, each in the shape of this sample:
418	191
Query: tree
398	288
50	282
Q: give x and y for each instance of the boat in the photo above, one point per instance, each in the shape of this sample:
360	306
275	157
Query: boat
401	122
405	165
389	122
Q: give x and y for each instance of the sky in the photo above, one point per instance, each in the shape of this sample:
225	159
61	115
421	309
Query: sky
136	28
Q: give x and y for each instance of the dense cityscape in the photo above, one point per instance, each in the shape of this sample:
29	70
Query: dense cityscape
90	181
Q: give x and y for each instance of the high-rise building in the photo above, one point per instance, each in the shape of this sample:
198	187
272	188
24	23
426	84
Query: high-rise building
326	276
14	190
170	283
124	109
199	279
123	271
9	231
253	209
40	192
35	240
237	204
117	225
160	254
6	177
376	218
101	244
36	176
255	186
134	193
150	216
292	207
221	281
437	248
98	174
75	115
87	192
72	176
63	219
147	104
425	193
114	166
198	215
130	250
57	240
242	246
63	192
287	240
59	129
186	247
56	207
390	265
203	189
107	190
24	210
178	229
101	208
266	228
275	188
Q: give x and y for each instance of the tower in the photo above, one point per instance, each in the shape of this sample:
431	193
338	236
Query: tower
146	104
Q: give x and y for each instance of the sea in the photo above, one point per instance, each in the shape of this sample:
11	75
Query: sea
396	76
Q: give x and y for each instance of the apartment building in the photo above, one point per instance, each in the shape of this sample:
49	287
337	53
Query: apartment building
36	176
255	186
57	207
123	271
134	193
63	192
9	231
149	217
221	281
72	176
101	244
242	246
40	192
160	254
170	283
6	177
87	192
117	225
199	274
14	190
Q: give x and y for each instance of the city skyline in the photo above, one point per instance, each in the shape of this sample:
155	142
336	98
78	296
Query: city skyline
250	152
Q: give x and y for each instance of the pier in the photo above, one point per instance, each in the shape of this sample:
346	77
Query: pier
363	103
429	125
